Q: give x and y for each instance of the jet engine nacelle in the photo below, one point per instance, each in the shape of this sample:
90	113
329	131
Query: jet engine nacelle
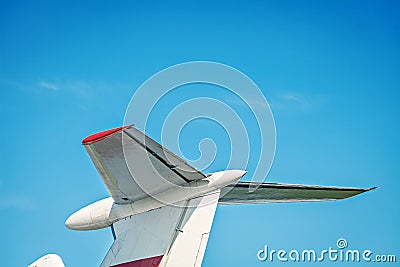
92	217
105	212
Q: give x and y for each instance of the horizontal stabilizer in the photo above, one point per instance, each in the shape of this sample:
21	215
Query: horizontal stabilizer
276	193
134	166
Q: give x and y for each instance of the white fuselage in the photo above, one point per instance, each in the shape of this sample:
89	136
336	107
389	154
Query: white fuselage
105	212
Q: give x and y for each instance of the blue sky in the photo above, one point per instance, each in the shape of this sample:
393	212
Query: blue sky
329	69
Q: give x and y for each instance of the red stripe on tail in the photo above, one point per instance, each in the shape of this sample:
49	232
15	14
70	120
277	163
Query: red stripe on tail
102	135
149	262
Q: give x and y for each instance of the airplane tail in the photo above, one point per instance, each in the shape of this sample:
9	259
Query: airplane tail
49	260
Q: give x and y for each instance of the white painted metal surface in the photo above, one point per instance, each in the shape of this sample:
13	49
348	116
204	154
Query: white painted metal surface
49	260
105	212
189	245
133	166
178	234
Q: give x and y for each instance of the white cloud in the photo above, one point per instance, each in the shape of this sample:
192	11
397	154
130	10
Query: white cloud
295	97
293	101
48	86
17	202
